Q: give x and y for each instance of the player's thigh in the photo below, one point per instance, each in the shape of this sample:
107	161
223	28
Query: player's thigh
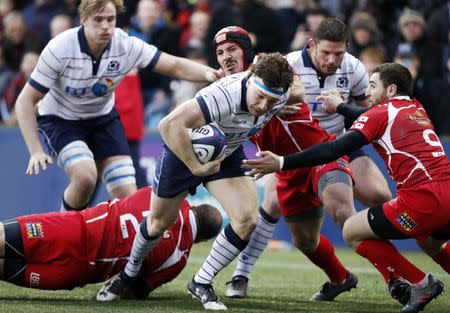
357	229
305	232
371	188
270	202
238	196
163	212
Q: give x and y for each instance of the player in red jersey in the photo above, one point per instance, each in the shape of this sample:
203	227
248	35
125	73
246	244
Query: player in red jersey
71	249
300	192
404	136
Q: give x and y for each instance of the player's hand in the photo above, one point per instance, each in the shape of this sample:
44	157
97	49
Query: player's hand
214	75
208	168
330	100
288	109
267	163
37	160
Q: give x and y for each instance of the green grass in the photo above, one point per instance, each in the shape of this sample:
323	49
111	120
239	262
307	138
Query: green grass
282	281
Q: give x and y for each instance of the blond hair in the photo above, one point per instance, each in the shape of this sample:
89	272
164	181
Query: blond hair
89	7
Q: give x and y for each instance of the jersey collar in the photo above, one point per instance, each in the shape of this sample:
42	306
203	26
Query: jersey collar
244	106
84	45
306	59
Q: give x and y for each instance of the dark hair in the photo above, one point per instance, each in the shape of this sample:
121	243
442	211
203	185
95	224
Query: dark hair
274	71
209	221
397	74
331	29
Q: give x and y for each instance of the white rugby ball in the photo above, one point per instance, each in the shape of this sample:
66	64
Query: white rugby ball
208	142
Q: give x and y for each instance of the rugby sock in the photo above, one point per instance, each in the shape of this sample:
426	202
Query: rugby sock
224	250
258	242
387	260
142	245
443	258
325	258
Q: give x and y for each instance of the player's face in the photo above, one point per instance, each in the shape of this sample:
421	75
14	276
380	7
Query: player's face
258	103
327	55
375	91
230	57
99	27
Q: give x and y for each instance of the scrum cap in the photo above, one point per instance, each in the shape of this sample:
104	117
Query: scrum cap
237	35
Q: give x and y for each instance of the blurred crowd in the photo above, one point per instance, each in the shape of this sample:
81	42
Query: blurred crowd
415	33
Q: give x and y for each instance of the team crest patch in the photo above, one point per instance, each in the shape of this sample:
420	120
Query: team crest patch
406	221
419	118
34	230
342	163
342	82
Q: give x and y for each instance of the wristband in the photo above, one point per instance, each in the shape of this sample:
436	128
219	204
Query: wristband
210	76
281	162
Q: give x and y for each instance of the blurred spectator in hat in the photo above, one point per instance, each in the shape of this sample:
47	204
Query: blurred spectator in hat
60	23
304	31
413	39
364	33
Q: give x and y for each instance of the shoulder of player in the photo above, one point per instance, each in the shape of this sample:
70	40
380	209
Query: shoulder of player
351	62
63	44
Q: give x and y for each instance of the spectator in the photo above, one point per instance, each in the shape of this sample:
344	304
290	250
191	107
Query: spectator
364	33
59	24
194	37
6	73
38	15
14	88
261	22
439	24
372	57
6	6
304	31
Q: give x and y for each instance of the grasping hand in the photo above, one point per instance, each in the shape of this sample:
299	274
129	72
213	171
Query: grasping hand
331	99
267	163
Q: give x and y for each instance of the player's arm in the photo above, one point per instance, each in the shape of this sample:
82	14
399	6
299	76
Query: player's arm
185	69
333	102
319	154
296	96
174	131
26	116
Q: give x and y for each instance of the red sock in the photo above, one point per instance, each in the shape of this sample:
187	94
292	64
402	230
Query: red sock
325	258
386	259
443	258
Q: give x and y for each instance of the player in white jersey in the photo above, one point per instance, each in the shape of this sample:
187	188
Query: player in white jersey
73	85
239	105
325	65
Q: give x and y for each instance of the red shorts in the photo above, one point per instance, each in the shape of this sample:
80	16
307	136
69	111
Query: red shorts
297	189
422	211
55	250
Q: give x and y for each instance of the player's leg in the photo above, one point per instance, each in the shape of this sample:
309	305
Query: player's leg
239	198
269	214
371	187
12	260
438	249
163	213
364	232
118	175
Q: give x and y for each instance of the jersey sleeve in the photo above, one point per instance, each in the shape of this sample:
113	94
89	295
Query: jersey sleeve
372	124
48	68
143	54
361	81
215	102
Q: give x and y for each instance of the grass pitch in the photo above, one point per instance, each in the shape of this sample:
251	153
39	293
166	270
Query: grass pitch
282	281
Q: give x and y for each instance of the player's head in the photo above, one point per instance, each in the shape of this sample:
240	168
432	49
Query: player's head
233	48
98	18
389	80
328	45
209	222
269	79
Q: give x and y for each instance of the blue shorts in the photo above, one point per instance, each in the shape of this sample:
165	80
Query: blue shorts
172	176
104	135
356	154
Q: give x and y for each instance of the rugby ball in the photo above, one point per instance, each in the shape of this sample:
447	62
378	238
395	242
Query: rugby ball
208	142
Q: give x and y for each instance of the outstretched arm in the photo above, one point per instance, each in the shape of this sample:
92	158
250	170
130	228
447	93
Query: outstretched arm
319	154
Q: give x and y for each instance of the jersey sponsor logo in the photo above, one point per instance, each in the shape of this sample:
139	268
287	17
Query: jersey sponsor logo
34	230
419	118
99	89
342	163
35	280
406	221
342	82
113	66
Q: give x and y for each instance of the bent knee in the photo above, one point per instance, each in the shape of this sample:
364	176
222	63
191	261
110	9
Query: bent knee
306	245
245	227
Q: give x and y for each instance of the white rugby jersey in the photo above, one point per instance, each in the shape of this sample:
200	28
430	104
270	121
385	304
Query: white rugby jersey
224	104
350	79
79	86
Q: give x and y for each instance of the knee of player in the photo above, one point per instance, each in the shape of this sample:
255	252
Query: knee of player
271	207
119	174
340	213
245	226
84	180
307	244
379	196
349	235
